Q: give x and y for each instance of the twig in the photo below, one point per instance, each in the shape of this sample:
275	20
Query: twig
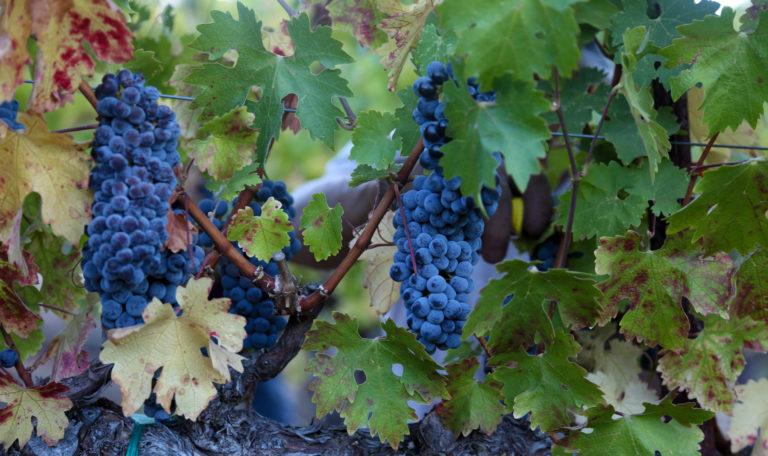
289	283
25	377
309	302
89	94
291	12
604	114
80	128
189	237
692	182
405	228
693	169
351	121
57	309
354	229
484	344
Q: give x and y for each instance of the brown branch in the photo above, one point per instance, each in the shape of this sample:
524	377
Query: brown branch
25	377
484	344
89	94
80	128
692	182
308	302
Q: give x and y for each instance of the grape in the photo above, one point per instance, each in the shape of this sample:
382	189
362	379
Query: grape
8	358
444	226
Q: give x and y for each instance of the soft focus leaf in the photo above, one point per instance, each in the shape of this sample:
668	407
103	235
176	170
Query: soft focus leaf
749	424
225	144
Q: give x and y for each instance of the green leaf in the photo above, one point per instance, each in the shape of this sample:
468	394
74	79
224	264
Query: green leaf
472	404
730	211
225	144
322	227
664	190
730	65
511	126
516	323
432	47
577	101
232	187
709	365
264	235
663	28
546	385
524	36
365	173
601	208
655	282
597	13
407	130
58	263
372	144
277	76
381	400
640	435
750	296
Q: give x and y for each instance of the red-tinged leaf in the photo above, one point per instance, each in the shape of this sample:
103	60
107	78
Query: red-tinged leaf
360	17
178	228
15	24
264	235
44	403
708	366
50	164
62	287
751	289
15	316
66	349
472	404
60	28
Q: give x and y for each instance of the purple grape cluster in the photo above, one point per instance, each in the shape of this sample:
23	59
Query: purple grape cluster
263	327
135	151
444	228
8	111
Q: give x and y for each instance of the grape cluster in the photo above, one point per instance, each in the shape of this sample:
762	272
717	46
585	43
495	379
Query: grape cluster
135	151
444	228
263	326
8	358
8	110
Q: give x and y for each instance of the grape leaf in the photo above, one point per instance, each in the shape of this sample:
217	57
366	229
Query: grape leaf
232	187
45	403
511	125
655	282
15	23
277	76
472	404
225	144
173	343
50	164
178	227
60	29
381	400
750	297
626	395
432	47
16	318
31	343
383	290
188	117
525	36
516	323
361	17
264	235
322	227
645	434
749	425
580	97
365	173
546	385
709	364
730	211
601	207
66	348
730	65
61	287
662	29
597	13
372	143
668	186
403	25
407	131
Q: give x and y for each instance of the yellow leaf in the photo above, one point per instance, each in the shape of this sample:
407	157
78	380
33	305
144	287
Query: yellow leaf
403	26
173	343
44	403
50	164
749	425
14	30
383	290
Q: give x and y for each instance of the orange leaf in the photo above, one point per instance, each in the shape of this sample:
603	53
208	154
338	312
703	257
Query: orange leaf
60	28
177	227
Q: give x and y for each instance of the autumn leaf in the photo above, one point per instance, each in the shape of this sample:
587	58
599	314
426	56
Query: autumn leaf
15	24
62	287
383	290
60	29
15	316
264	235
173	343
225	144
45	403
178	228
50	164
749	425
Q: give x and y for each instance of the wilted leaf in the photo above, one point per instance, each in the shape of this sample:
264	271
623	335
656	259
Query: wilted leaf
383	290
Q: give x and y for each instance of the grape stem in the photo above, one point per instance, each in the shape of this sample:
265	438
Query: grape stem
25	377
89	94
309	302
692	182
484	344
80	128
576	176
